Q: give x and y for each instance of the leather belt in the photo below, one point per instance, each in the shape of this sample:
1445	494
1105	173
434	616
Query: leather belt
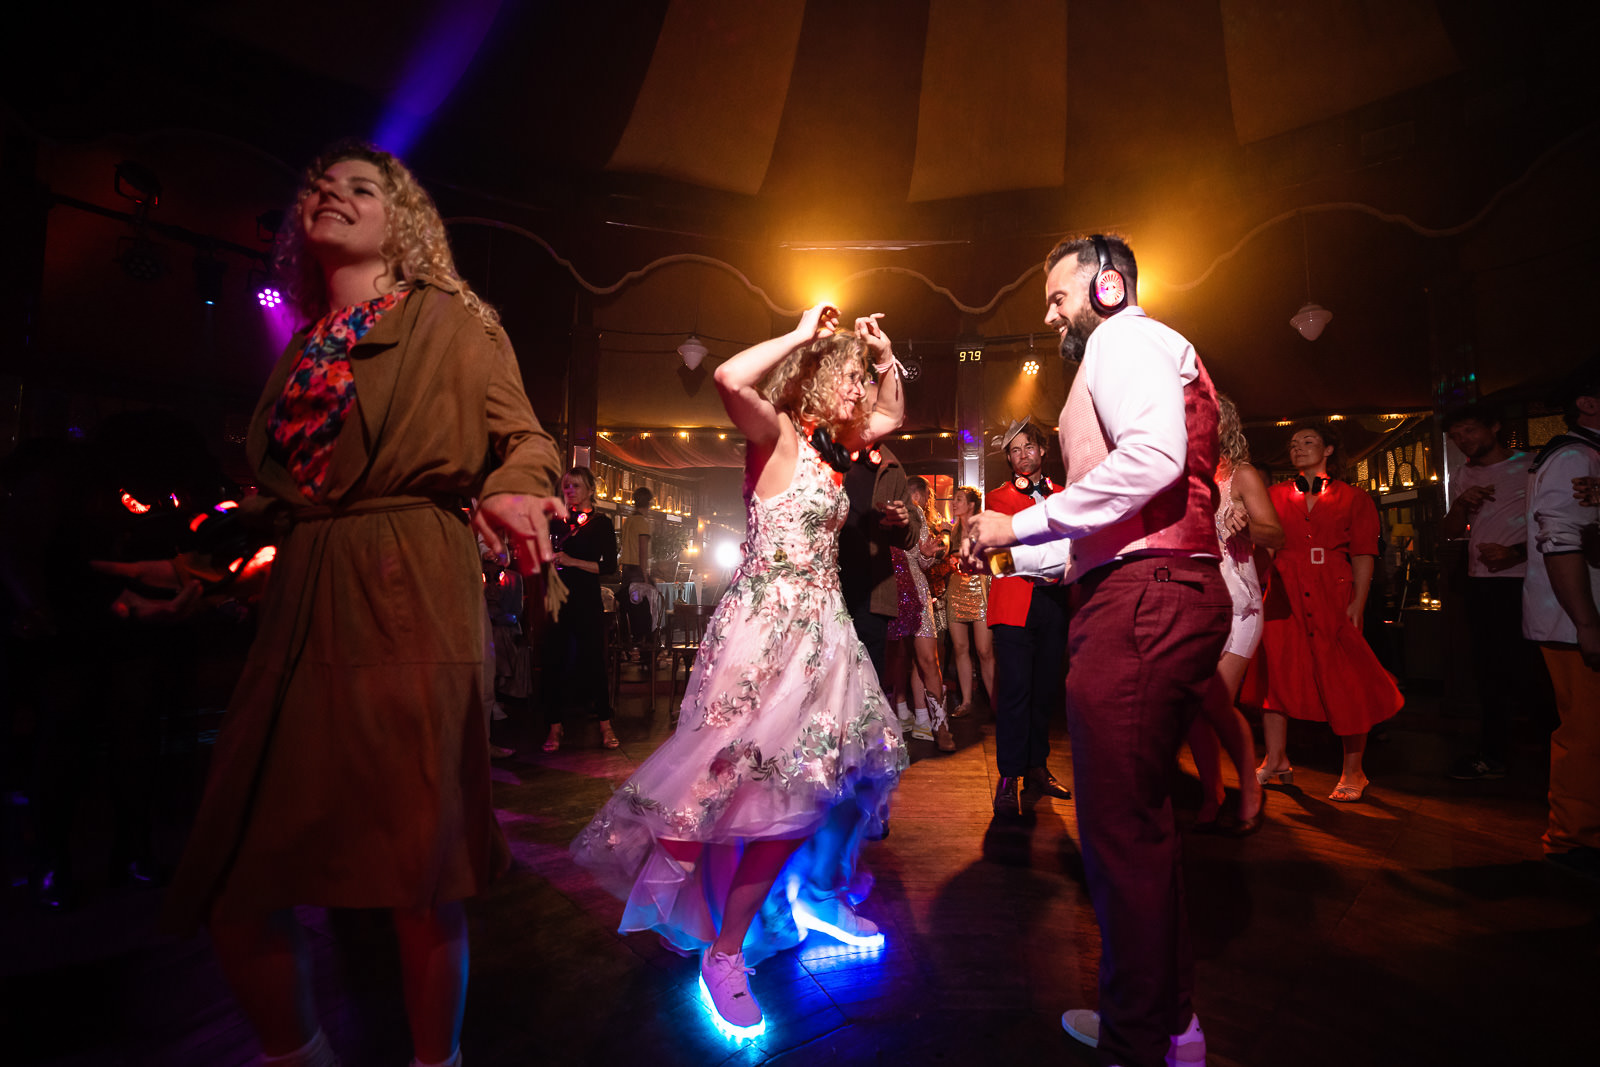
378	505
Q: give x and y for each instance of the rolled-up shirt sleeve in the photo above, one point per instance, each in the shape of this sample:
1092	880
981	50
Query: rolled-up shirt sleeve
1047	560
1558	519
1137	384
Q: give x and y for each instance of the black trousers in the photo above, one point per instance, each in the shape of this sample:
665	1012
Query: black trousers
873	630
574	665
1503	661
638	615
1029	666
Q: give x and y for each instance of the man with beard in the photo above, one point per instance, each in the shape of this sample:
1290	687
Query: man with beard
1028	618
1490	509
1139	437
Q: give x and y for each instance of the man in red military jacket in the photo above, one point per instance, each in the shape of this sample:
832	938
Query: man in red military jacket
1028	618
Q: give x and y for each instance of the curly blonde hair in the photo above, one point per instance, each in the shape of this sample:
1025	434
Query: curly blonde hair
414	242
1234	448
805	383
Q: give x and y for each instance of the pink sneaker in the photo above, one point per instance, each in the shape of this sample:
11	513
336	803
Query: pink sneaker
725	989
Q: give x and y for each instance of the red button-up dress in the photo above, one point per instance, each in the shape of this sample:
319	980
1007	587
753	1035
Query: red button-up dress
1314	664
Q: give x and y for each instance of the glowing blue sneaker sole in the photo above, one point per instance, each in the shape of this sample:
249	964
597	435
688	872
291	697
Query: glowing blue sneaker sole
724	1027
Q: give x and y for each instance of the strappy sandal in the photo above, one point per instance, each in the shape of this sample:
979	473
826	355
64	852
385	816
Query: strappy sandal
1348	794
1284	777
553	742
608	737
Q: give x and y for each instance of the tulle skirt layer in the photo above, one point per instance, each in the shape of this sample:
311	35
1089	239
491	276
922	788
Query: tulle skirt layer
782	735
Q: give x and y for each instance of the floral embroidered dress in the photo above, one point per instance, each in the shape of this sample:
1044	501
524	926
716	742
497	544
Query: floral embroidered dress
782	734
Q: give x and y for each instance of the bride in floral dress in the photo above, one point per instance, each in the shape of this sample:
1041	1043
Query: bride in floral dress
785	755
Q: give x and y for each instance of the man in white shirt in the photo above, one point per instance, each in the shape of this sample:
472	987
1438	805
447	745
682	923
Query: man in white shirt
1139	438
1561	611
1490	509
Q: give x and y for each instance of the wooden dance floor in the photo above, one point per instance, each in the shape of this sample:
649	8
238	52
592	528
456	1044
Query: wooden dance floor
1418	927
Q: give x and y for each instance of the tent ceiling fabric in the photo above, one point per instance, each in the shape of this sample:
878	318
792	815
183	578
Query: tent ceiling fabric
867	151
1290	65
712	98
993	109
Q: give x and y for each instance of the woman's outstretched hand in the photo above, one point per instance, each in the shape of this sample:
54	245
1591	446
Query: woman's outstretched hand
524	520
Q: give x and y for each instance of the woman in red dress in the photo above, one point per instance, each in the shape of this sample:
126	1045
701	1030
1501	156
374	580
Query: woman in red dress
1314	664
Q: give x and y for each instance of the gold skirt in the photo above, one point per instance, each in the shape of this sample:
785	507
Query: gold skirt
967	596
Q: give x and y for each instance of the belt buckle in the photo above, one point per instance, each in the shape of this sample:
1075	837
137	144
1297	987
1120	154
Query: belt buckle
1163	574
1318	555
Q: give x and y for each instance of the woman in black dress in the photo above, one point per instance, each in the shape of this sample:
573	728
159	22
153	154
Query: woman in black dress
574	647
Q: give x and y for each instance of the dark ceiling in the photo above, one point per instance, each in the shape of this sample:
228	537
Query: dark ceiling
1430	166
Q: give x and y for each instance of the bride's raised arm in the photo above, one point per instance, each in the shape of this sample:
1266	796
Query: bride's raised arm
737	379
890	410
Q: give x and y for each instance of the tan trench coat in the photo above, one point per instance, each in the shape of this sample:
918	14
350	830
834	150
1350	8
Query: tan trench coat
352	769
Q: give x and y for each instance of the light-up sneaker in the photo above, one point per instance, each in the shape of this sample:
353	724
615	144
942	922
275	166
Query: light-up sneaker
725	988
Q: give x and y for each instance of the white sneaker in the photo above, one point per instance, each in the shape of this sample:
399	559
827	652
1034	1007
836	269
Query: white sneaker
1188	1047
1083	1025
902	713
922	727
725	989
832	916
314	1053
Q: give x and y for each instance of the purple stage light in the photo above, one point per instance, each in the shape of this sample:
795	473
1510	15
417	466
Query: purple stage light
268	297
443	52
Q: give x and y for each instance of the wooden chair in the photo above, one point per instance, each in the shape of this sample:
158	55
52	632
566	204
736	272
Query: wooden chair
648	646
688	622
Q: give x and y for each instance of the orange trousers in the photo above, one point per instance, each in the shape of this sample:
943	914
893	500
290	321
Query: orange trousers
1574	753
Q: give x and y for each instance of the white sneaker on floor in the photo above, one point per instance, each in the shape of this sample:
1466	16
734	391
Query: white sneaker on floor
833	916
725	988
922	728
1186	1048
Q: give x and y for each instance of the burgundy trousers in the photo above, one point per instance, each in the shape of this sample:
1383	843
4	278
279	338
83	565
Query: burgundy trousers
1144	643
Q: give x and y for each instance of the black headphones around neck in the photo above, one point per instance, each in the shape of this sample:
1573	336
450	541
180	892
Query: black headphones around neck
833	454
1108	294
1316	484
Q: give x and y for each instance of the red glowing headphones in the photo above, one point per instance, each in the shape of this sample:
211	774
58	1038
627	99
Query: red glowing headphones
1109	293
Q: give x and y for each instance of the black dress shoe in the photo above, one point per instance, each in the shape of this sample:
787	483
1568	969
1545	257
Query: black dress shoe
136	874
1008	796
56	892
1245	827
1042	781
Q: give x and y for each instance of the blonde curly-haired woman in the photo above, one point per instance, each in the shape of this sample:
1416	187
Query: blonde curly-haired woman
353	768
